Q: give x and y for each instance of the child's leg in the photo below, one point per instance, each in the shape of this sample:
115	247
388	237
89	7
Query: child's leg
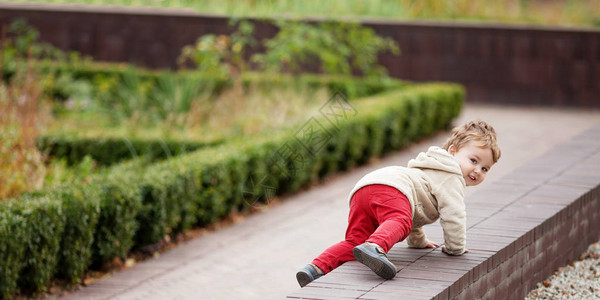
361	224
392	210
379	214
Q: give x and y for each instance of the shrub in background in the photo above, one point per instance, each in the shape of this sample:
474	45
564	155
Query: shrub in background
45	223
151	215
221	56
331	47
120	202
172	191
81	209
106	150
328	47
23	115
13	237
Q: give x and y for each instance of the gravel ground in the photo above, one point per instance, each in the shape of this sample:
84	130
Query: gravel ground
577	280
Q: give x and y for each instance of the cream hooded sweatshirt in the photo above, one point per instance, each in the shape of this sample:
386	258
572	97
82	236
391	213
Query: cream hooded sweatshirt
434	185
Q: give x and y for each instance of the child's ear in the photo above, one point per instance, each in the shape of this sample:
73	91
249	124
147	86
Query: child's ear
452	149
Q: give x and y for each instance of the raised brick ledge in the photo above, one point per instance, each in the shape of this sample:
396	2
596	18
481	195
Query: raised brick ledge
520	229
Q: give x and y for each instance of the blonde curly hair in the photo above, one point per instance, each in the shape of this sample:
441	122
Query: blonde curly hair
478	131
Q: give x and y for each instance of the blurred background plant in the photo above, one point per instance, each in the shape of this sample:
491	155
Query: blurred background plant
23	113
336	48
47	63
60	172
32	91
221	56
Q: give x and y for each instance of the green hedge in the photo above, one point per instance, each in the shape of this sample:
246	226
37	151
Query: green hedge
131	205
44	223
120	202
110	150
81	208
63	231
12	245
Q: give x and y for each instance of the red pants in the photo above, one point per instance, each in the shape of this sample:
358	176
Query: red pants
379	214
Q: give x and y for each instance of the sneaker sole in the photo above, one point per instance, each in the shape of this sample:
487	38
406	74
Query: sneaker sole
303	279
380	268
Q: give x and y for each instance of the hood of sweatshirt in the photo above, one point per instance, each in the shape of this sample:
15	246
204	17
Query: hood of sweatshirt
436	158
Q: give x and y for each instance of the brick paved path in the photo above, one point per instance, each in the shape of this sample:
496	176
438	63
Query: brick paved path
258	258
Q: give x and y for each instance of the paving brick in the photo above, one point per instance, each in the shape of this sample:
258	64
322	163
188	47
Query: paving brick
444	265
558	194
409	295
443	275
500	194
501	221
479	210
327	293
495	232
486	245
362	282
584	179
533	207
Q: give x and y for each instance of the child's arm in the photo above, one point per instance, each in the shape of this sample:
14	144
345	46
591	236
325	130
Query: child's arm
453	217
417	239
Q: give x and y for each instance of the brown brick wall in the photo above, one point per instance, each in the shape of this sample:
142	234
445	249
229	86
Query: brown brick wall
496	63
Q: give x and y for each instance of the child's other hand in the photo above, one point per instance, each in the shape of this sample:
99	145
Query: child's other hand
431	244
444	249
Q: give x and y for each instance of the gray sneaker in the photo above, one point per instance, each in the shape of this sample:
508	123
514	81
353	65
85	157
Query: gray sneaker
374	257
307	275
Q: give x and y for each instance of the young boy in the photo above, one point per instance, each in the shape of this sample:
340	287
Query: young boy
393	203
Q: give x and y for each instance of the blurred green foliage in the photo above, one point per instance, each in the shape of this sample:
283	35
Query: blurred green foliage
335	48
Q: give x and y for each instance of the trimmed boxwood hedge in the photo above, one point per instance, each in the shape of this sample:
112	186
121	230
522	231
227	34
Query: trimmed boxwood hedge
81	208
44	225
133	205
107	151
120	202
12	245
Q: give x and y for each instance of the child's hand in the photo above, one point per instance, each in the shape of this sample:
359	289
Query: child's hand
431	244
444	250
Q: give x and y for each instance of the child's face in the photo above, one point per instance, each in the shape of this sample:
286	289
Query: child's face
474	160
